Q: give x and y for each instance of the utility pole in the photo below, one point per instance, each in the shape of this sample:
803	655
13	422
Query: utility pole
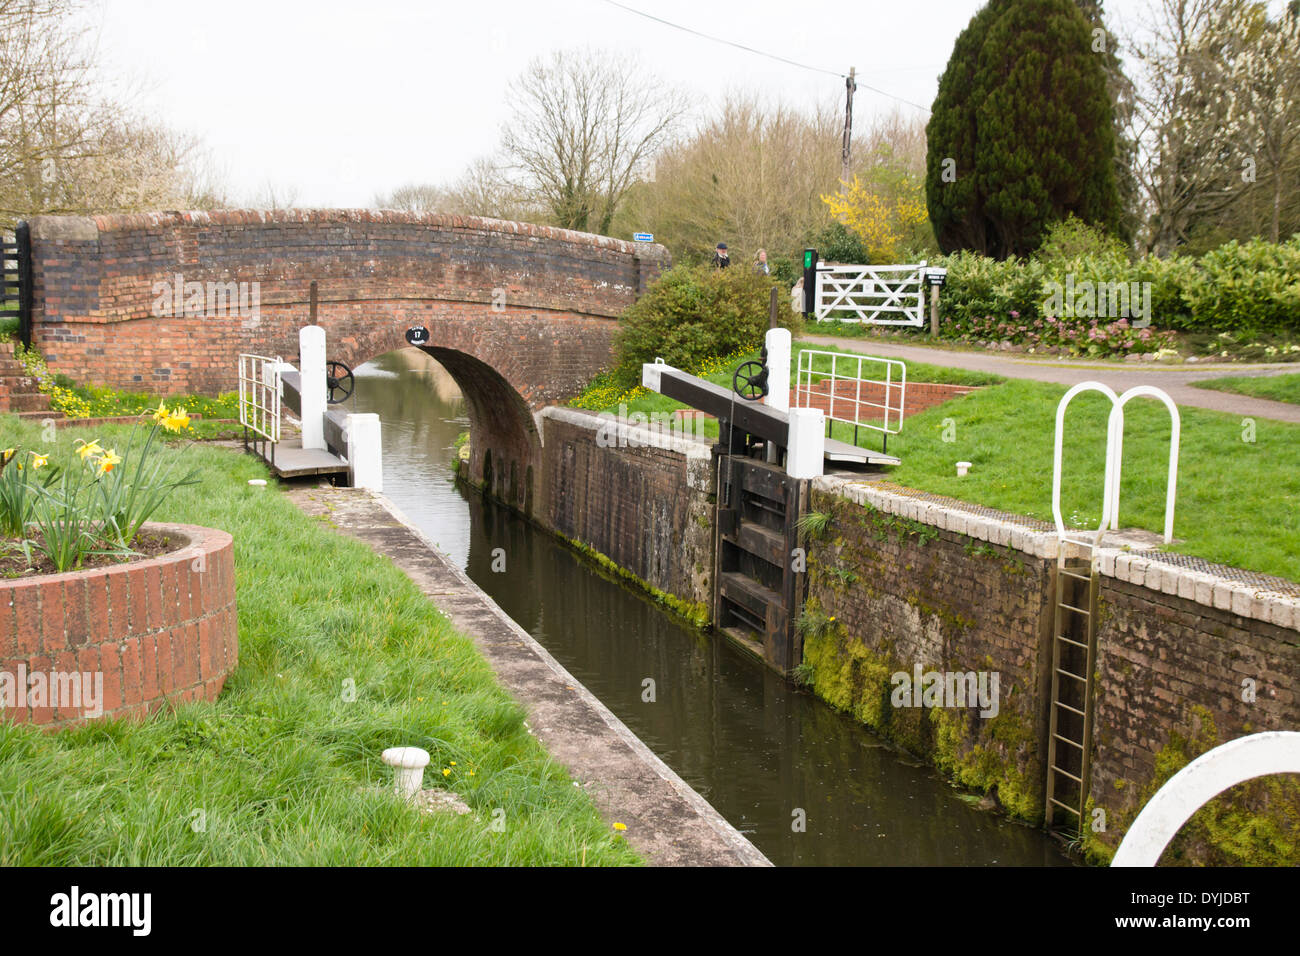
846	149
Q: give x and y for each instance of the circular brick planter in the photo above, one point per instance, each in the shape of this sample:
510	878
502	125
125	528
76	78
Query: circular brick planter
122	640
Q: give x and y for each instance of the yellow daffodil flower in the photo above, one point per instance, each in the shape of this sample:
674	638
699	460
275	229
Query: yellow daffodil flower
89	449
108	461
161	413
40	461
176	419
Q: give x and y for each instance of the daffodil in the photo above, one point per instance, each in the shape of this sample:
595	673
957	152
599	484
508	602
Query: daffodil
108	461
176	419
89	449
40	461
6	455
161	413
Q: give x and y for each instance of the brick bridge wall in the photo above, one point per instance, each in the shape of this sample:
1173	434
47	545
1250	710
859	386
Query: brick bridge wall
520	315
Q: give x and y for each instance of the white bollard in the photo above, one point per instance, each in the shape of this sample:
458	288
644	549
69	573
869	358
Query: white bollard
408	764
311	346
805	455
962	468
365	452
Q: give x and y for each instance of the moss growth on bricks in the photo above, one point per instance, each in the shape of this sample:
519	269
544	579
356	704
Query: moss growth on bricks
694	613
1256	823
857	680
1002	760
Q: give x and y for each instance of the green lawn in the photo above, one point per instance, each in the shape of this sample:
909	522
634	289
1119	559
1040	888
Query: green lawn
1280	388
282	767
1238	501
600	396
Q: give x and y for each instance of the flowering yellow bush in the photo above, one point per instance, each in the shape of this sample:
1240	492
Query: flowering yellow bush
883	214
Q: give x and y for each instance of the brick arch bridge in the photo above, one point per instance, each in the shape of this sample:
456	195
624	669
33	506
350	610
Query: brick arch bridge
520	315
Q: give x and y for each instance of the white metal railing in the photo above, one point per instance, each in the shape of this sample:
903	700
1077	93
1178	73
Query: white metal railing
1114	459
877	295
259	395
837	381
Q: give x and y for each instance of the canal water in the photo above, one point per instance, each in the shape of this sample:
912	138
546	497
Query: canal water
768	756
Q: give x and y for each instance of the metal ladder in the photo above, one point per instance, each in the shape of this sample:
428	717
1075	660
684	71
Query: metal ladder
1074	660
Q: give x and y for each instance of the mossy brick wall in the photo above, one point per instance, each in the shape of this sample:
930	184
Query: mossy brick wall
159	631
897	580
887	593
532	302
640	499
1178	678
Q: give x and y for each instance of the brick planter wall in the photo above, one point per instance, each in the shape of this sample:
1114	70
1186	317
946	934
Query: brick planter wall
155	631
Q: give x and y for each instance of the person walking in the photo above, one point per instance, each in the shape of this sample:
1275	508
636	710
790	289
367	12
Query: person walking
720	259
760	264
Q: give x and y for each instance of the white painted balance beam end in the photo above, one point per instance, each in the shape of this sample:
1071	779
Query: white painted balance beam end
805	456
365	451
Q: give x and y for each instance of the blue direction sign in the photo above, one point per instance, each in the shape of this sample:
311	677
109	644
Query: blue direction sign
643	236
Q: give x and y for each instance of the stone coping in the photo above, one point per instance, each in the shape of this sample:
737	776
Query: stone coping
633	436
1260	597
88	228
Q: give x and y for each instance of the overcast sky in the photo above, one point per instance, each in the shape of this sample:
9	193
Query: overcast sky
342	100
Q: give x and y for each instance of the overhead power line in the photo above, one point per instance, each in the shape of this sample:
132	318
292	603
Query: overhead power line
764	53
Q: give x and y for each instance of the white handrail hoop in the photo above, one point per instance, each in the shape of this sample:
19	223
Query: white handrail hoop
1056	457
1115	456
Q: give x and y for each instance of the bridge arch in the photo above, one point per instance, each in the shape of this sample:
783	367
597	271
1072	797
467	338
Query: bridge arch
521	315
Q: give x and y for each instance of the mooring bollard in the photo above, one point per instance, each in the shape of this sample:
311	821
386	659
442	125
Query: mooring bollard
962	468
408	764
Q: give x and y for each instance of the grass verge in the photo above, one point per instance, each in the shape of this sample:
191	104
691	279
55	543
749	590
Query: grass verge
1280	388
283	769
1238	484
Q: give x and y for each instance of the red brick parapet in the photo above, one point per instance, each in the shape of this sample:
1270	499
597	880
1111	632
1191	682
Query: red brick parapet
138	636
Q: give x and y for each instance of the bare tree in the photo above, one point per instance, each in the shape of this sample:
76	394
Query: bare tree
753	175
45	103
482	190
63	149
1184	150
1262	88
584	126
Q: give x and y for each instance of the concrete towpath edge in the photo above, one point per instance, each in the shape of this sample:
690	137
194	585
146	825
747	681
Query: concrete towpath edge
668	821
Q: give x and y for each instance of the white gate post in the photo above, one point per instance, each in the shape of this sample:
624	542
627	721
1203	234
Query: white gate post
365	453
777	343
311	349
778	369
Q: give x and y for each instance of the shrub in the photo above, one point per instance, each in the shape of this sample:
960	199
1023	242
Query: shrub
1245	287
693	313
1072	238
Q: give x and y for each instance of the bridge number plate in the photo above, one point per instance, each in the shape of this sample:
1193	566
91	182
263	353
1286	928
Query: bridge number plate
643	236
417	335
